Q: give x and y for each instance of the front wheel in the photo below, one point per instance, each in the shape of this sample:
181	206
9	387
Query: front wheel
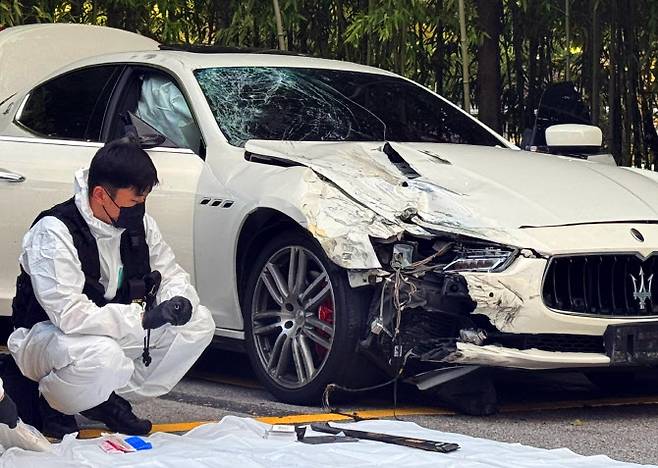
302	320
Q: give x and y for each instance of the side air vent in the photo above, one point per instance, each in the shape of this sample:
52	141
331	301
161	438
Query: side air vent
216	202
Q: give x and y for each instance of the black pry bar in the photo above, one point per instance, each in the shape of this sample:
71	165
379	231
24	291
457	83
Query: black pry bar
422	444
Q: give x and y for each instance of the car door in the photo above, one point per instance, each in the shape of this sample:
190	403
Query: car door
62	119
153	102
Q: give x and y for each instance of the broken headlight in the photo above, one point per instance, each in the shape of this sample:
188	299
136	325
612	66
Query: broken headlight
482	259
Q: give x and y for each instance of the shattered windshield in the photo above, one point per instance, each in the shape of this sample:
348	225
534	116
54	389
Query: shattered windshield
301	104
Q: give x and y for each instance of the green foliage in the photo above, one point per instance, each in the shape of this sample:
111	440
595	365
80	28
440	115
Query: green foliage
11	12
612	55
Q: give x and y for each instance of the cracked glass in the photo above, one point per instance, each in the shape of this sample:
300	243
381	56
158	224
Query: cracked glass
302	104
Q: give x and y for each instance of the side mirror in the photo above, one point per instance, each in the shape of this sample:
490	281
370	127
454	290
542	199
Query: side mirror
576	138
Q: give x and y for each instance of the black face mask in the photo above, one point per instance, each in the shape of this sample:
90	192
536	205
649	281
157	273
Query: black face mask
130	217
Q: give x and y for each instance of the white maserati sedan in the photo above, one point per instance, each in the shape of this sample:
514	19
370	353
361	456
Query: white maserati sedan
337	218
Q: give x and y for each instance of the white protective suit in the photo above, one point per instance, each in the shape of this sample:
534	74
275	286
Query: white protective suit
85	352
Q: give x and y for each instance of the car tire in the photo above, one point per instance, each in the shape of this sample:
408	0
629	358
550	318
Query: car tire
302	329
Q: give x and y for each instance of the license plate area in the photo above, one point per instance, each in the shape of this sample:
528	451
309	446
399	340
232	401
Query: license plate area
632	344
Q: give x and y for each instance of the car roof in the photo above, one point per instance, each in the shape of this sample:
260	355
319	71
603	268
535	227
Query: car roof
196	60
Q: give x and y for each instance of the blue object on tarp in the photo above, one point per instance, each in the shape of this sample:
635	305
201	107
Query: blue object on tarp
138	443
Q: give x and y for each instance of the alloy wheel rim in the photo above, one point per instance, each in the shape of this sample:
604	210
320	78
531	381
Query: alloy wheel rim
292	317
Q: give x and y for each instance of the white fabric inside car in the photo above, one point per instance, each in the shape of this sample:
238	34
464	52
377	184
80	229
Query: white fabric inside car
239	442
162	106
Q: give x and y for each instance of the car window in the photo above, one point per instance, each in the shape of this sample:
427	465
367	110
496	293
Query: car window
72	106
331	105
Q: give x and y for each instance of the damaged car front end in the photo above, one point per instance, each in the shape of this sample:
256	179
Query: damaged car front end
453	236
452	291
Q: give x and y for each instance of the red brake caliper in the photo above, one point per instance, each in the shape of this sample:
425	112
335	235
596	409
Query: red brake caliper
326	314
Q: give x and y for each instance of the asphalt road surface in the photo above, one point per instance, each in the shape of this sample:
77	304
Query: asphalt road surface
544	410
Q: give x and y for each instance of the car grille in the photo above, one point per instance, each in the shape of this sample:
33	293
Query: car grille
607	285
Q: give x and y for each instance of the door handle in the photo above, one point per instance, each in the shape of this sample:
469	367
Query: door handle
9	176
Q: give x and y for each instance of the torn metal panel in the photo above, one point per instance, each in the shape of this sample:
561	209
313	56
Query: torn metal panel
502	296
343	227
492	355
496	299
510	297
341	223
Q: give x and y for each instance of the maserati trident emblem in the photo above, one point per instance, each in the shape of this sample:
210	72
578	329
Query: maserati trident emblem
637	235
643	293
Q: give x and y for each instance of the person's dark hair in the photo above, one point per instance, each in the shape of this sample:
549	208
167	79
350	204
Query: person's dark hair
122	164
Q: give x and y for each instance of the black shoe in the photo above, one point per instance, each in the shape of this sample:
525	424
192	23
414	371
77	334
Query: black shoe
23	391
117	414
55	424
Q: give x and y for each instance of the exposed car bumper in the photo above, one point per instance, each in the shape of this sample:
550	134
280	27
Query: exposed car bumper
498	356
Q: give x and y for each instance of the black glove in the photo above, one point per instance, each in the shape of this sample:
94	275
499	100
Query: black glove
177	311
8	411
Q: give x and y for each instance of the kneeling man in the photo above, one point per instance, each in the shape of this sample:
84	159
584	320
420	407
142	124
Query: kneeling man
97	279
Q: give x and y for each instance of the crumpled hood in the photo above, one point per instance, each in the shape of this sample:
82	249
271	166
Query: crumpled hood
473	188
99	229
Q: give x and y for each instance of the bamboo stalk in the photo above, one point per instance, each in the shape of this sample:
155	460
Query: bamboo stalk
279	26
568	34
464	43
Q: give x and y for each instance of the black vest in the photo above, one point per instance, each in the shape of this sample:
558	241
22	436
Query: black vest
26	310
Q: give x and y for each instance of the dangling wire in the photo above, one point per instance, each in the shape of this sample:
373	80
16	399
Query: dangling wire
326	405
399	279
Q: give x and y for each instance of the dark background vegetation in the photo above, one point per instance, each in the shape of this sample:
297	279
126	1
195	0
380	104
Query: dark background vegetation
516	47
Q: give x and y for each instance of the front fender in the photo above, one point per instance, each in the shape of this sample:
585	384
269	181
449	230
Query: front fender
341	226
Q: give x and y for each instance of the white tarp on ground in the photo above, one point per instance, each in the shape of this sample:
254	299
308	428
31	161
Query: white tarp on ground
238	442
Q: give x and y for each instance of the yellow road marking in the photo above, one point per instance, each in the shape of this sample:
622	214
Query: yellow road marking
165	427
423	411
407	411
365	414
